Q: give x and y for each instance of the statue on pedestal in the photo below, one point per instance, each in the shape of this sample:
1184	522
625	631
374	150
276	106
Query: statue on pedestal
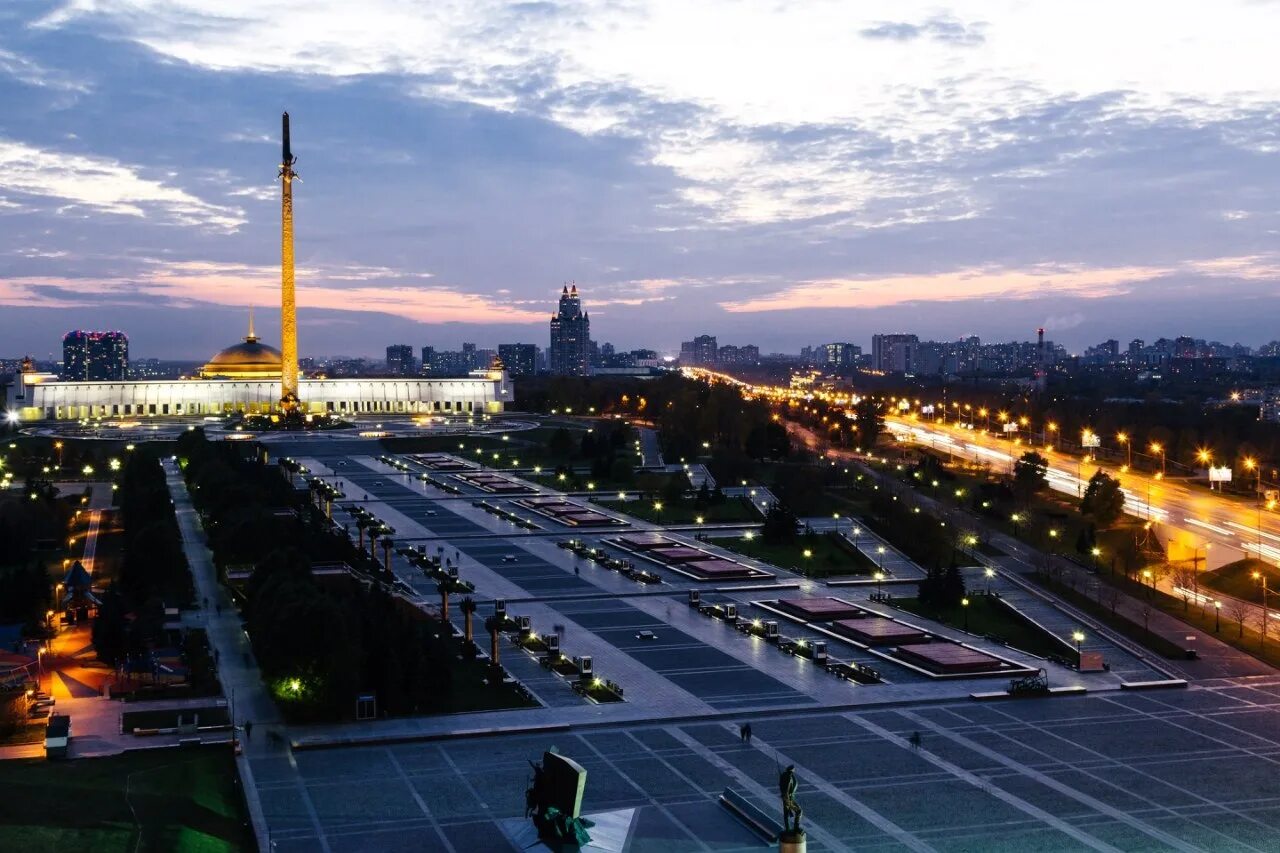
554	801
787	784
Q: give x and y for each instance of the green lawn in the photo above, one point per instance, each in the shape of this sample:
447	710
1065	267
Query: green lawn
1117	622
987	616
1236	579
685	510
185	799
825	557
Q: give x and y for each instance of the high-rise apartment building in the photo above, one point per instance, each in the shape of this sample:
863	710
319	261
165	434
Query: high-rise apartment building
519	359
702	351
894	353
95	356
400	360
570	336
840	356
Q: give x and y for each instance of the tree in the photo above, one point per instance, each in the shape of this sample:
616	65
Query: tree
110	628
1030	475
1239	611
1103	499
779	525
1184	579
560	444
869	419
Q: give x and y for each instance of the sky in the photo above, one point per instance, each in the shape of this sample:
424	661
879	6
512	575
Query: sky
774	173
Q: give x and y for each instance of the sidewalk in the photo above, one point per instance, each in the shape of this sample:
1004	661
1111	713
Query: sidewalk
238	671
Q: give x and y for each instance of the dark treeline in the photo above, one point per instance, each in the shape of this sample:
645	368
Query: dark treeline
1182	427
319	643
693	418
154	563
26	590
153	573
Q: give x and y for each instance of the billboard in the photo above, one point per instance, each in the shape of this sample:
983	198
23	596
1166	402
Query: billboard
1220	475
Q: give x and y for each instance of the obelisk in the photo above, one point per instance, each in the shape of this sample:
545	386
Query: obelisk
288	307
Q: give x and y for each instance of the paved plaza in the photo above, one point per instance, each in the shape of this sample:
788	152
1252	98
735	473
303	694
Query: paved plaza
1116	769
1170	770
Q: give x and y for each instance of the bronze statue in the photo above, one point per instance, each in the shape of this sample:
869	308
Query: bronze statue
787	785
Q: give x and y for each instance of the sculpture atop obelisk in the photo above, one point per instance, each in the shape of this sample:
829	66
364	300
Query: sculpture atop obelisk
288	308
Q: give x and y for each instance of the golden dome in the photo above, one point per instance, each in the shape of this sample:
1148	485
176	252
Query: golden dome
247	360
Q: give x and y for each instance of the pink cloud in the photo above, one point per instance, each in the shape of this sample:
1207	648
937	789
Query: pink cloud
197	282
976	283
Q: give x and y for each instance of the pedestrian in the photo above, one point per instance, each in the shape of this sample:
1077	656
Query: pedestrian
219	608
576	570
746	733
915	740
248	729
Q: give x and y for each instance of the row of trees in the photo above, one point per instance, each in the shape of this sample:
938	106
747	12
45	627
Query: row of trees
318	643
153	572
691	416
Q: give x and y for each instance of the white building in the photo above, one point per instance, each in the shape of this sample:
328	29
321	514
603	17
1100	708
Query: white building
42	396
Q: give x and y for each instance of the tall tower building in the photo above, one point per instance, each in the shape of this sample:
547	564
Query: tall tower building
95	356
288	306
570	336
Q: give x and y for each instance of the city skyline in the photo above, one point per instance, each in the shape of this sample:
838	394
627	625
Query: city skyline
996	184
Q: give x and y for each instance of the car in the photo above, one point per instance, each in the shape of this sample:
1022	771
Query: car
510	558
431	512
646	635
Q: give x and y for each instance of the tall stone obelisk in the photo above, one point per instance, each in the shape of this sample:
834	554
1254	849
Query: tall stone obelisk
288	307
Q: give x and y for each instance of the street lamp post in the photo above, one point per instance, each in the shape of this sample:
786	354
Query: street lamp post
879	588
1207	458
1217	616
1078	636
1156	447
1128	450
990	573
964	603
1263	578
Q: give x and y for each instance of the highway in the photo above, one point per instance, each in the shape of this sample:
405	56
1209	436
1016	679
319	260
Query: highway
1188	517
1200	528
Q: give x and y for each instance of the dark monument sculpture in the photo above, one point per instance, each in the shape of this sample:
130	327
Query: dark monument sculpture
787	785
554	801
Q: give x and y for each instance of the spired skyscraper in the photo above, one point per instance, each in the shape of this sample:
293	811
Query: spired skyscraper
570	336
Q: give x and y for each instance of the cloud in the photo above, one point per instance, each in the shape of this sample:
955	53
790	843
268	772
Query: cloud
712	89
962	284
1062	322
191	283
940	29
105	186
27	71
